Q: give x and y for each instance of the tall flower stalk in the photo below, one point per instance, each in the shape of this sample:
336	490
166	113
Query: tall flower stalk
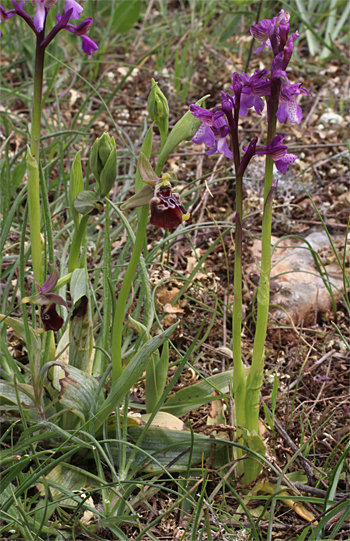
37	25
217	125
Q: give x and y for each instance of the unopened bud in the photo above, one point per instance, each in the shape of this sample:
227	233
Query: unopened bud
158	109
103	163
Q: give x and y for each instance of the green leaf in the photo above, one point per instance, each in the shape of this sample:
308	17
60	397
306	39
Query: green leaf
75	389
8	394
126	15
156	375
76	185
78	285
146	150
168	447
18	174
252	467
87	203
131	375
68	478
80	336
18	326
194	396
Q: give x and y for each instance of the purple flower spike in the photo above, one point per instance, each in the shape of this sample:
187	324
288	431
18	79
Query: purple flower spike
278	152
77	9
40	15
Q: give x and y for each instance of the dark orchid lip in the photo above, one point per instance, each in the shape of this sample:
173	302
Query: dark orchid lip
50	318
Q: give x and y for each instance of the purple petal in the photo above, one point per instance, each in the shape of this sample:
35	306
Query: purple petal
212	150
39	17
50	282
288	49
56	299
260	31
291	110
259	105
77	9
88	45
223	147
282	164
82	28
247	101
202	114
205	135
261	48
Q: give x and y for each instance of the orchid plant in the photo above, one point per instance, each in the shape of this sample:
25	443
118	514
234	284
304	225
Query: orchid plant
220	126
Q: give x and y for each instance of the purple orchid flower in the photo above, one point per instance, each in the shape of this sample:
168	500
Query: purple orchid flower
213	130
42	7
88	45
48	302
72	10
167	211
254	88
221	131
4	15
288	107
278	152
272	30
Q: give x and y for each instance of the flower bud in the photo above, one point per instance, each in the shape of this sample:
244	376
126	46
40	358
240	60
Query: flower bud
103	163
158	109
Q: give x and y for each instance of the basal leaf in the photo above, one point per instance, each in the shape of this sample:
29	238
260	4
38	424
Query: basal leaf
75	389
196	395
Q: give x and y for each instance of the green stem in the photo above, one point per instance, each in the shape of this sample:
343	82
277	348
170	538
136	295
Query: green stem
118	316
239	374
33	173
254	380
76	244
